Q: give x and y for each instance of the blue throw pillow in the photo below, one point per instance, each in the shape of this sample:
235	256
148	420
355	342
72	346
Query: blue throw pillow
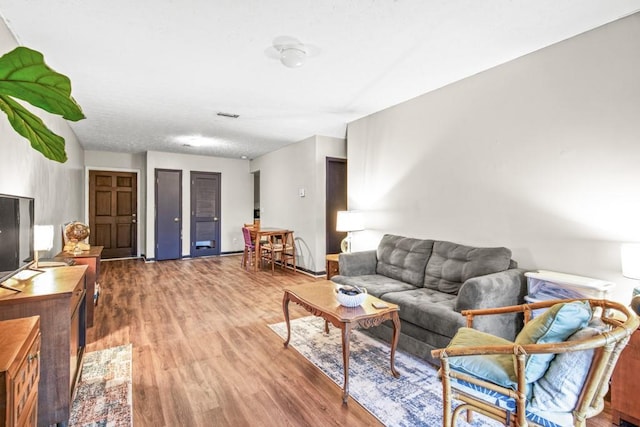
560	387
554	325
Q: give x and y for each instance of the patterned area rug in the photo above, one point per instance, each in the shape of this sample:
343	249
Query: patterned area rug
414	399
103	393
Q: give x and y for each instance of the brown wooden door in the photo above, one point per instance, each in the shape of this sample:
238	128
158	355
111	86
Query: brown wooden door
113	212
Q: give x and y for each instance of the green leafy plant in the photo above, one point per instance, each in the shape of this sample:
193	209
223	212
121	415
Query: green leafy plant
24	75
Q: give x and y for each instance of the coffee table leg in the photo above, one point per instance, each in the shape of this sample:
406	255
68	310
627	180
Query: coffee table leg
285	309
346	333
394	342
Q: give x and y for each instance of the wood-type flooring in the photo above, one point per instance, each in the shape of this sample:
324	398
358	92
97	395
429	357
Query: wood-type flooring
203	354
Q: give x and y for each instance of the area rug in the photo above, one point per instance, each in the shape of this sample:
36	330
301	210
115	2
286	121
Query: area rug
103	393
414	399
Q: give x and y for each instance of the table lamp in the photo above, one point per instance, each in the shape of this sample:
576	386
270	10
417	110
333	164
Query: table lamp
630	255
42	240
348	221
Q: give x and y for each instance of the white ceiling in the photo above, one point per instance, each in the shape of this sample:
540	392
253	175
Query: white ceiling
148	71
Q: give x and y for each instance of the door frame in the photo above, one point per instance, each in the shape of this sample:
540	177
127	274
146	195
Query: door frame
138	205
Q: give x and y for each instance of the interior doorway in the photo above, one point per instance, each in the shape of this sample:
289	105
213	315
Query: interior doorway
336	188
113	210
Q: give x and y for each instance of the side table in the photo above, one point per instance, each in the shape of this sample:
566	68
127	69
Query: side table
90	258
624	383
333	265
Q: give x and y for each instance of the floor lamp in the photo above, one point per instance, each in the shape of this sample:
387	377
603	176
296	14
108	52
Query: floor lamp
348	221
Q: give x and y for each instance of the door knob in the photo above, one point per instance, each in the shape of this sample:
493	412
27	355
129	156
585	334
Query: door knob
176	219
133	221
215	218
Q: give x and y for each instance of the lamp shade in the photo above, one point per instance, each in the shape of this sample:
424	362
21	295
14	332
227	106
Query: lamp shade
630	255
349	221
42	237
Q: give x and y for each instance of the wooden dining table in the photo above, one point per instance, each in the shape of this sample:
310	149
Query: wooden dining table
266	232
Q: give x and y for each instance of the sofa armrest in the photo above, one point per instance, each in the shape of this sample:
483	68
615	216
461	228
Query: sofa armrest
358	263
505	288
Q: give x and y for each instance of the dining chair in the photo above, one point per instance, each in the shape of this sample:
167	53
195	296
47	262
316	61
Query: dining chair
249	247
272	250
289	251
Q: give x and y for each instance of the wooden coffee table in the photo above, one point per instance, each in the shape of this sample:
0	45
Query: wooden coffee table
319	299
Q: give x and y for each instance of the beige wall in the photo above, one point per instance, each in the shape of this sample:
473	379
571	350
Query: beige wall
56	187
283	173
539	155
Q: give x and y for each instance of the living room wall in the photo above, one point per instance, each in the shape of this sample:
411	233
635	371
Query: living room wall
56	187
539	155
282	174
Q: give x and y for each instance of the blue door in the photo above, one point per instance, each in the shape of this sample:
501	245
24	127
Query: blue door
168	214
205	213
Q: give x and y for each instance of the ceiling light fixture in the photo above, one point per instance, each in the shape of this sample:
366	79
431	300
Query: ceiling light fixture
292	53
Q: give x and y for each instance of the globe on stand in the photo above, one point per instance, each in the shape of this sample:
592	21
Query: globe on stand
76	232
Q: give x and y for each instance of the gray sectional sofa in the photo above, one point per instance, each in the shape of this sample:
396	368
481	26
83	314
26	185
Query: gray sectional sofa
433	281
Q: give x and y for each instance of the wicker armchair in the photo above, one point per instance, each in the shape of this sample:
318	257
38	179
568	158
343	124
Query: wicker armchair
495	377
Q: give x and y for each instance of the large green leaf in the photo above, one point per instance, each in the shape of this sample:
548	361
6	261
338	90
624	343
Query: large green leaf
24	75
31	127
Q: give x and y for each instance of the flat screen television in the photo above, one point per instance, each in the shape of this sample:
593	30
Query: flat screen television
16	234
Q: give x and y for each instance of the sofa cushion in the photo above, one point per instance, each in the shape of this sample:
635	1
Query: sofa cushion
403	258
376	284
429	309
496	368
451	264
556	324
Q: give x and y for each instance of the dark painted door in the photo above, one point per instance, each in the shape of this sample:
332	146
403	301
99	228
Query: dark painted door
336	201
113	210
205	213
168	214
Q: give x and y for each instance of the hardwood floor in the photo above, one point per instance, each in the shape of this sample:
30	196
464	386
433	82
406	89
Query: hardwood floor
203	354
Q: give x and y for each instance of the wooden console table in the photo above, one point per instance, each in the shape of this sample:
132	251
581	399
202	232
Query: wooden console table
19	371
57	295
90	258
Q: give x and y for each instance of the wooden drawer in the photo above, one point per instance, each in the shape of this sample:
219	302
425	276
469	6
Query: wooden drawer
19	371
24	386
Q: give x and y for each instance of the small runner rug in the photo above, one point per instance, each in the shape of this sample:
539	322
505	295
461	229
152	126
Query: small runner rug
414	399
103	393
